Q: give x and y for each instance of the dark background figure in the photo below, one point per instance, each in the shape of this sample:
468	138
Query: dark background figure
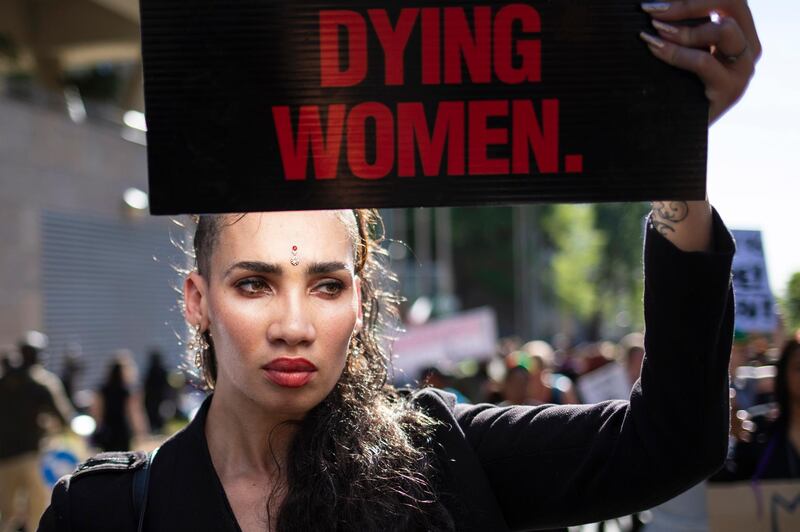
5	363
117	406
436	377
157	392
73	367
776	456
515	386
32	401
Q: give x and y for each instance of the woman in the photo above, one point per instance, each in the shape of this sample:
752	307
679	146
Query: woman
117	408
302	433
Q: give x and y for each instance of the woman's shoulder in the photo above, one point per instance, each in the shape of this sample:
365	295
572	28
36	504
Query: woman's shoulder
98	491
430	398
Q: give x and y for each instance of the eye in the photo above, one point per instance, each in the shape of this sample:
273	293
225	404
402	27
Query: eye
253	286
330	288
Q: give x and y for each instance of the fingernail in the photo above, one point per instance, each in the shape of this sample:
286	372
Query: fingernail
667	28
655	7
651	39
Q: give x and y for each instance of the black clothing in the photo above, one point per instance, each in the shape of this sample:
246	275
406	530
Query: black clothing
156	392
26	394
523	467
115	430
773	458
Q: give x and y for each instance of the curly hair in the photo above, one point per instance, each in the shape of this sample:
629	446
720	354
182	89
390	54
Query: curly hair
362	459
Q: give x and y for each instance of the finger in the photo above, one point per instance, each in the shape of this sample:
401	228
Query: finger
686	9
701	62
726	36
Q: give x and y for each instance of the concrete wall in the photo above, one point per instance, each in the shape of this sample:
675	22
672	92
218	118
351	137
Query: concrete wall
47	162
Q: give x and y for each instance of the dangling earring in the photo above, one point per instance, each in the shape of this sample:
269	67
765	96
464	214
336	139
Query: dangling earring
356	348
199	346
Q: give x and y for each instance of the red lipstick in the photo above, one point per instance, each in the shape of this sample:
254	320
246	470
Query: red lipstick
289	372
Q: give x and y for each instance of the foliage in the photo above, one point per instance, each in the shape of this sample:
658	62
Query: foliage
620	281
570	229
791	303
586	259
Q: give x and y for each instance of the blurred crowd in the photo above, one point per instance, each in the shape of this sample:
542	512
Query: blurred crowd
133	409
48	425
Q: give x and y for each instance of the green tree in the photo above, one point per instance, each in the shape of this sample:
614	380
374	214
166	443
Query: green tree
791	303
570	230
619	278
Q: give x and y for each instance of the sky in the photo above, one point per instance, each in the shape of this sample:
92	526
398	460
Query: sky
754	149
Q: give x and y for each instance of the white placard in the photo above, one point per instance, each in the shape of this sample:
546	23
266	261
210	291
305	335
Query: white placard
471	334
606	382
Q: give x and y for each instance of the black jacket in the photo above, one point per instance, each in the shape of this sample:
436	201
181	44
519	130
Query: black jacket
517	467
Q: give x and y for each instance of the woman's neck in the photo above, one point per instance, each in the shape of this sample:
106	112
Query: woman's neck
243	439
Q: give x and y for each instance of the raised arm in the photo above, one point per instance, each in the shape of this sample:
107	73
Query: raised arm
563	465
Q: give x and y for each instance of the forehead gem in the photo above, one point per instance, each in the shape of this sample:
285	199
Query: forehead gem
294	261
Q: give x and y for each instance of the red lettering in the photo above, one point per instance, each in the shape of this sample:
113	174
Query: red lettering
527	133
324	152
431	49
460	41
394	40
481	136
412	130
331	73
357	142
529	50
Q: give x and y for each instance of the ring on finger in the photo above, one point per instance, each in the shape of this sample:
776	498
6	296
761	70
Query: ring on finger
730	59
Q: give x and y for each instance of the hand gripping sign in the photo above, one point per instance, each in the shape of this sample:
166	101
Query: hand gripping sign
266	105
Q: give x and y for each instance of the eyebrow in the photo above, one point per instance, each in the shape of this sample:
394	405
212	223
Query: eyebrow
314	268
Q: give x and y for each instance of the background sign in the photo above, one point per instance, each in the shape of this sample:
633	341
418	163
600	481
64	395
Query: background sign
468	335
267	105
609	381
755	304
771	506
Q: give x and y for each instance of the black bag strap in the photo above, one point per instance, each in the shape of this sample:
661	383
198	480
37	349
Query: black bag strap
141	481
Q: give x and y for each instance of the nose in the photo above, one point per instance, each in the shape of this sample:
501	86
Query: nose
293	323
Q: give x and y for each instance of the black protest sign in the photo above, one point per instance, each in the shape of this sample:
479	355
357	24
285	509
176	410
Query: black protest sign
265	105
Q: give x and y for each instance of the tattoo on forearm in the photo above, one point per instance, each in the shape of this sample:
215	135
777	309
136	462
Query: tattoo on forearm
667	214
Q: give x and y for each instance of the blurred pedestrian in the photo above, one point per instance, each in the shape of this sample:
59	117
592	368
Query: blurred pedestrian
32	401
157	392
118	406
515	386
437	378
73	367
632	346
778	455
545	385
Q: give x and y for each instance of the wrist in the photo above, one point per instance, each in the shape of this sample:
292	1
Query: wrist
687	224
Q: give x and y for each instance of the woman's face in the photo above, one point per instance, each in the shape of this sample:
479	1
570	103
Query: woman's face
271	320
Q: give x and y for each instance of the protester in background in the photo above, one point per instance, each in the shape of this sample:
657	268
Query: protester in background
632	346
545	386
157	392
5	363
778	456
72	368
31	402
515	386
118	408
435	377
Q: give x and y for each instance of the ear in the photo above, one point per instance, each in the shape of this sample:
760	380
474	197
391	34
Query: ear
195	298
360	316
